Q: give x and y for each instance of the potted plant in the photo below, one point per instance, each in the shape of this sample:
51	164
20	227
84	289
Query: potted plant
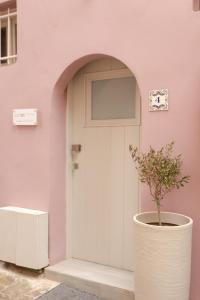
162	239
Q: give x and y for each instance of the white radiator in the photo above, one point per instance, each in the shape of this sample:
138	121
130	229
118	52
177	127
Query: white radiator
24	237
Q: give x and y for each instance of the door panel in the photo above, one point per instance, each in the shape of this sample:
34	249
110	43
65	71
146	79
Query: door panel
104	187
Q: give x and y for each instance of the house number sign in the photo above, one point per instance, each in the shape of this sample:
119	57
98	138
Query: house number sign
25	116
158	100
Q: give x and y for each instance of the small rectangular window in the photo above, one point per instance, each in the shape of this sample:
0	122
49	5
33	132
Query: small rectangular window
111	99
8	33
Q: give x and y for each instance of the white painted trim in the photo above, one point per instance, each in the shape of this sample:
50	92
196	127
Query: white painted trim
8	15
69	188
122	73
14	36
7	57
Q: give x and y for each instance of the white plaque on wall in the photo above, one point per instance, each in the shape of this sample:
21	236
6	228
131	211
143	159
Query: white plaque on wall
158	100
25	116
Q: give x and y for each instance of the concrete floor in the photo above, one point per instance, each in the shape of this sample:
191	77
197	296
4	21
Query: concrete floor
21	284
103	281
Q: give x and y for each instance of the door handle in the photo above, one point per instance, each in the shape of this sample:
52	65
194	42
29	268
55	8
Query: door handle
76	148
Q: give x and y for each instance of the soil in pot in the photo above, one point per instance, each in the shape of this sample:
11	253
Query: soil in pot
163	224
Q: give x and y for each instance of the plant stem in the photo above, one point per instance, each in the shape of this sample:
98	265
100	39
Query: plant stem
158	209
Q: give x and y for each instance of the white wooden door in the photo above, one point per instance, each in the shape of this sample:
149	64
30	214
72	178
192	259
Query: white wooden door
104	185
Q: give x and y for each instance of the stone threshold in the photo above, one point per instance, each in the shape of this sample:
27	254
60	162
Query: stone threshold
103	281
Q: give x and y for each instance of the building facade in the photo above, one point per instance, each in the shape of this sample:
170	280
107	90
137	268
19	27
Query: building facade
156	41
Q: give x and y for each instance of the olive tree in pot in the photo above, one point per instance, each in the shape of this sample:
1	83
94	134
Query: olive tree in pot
162	239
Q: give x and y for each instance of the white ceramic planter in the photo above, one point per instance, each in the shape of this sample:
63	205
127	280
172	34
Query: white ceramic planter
163	257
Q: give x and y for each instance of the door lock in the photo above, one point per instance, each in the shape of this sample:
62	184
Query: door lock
75	166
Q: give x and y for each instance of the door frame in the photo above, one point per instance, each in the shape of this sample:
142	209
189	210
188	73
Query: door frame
68	185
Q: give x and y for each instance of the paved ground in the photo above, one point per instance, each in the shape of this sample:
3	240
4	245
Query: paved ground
20	284
63	292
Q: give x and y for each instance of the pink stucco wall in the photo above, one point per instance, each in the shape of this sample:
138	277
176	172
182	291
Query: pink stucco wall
158	40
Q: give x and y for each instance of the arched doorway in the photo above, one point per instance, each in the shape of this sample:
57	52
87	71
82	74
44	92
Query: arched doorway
103	118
